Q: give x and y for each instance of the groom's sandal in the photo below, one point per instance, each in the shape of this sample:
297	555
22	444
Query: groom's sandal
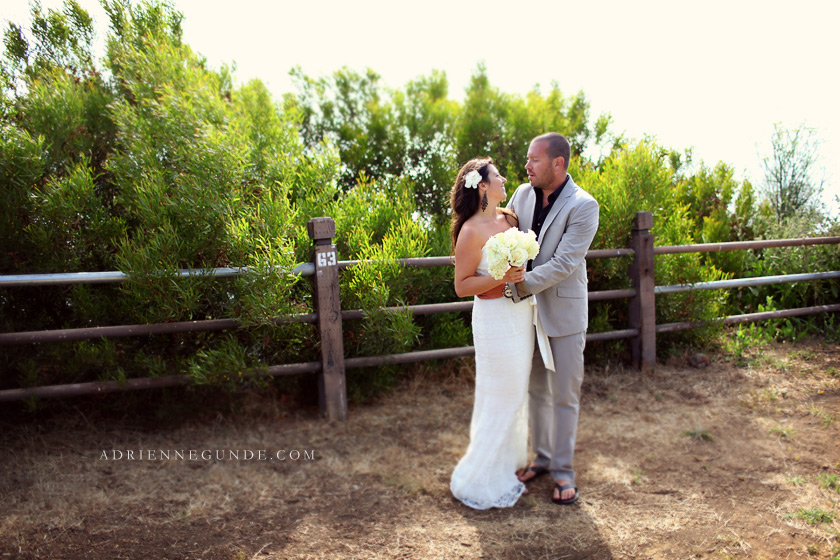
561	501
536	469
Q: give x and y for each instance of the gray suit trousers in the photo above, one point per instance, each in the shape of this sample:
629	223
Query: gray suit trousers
554	405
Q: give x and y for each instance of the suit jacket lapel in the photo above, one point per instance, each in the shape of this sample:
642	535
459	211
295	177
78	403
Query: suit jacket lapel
526	220
564	198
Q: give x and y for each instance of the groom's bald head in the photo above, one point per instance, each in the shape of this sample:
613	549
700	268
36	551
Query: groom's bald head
556	146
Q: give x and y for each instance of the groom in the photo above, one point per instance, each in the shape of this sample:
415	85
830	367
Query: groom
565	219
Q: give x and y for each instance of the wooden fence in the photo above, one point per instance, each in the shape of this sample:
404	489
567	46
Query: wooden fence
329	316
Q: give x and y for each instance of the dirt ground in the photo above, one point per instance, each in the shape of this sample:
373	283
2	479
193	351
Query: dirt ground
731	461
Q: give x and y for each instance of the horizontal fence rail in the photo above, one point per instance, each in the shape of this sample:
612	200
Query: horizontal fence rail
115	276
740	245
328	315
99	387
743	282
120	331
750	317
445	261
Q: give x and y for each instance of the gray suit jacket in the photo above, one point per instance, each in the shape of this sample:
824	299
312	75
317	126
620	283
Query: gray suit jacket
558	278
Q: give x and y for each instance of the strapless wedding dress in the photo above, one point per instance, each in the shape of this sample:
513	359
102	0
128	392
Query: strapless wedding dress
503	334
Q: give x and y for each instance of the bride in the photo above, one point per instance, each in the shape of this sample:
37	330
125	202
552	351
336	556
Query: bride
503	334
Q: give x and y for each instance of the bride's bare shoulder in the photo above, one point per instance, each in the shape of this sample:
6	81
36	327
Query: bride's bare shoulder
468	235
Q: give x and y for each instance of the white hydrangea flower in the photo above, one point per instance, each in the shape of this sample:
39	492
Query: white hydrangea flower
498	269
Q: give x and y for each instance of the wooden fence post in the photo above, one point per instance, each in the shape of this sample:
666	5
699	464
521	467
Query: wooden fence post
331	382
643	305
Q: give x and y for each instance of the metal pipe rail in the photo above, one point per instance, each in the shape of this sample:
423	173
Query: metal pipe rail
119	331
749	317
303	269
741	282
445	261
97	387
736	245
115	276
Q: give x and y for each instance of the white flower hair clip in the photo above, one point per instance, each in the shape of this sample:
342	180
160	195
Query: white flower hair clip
472	179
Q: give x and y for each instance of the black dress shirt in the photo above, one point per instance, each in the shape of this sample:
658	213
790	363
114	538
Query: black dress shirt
540	213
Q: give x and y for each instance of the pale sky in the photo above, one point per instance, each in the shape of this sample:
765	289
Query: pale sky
714	76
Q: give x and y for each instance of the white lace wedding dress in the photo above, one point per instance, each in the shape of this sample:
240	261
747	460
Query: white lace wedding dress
503	334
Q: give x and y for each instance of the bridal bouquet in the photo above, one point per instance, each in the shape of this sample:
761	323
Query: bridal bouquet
510	248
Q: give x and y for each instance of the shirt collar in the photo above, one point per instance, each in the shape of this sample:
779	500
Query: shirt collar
553	196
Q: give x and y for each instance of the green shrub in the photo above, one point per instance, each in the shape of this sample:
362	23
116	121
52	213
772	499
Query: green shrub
155	163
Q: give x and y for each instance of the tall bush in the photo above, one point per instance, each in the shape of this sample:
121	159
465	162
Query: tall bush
633	178
164	166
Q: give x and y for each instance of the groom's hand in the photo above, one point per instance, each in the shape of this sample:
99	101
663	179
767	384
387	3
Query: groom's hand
493	293
515	294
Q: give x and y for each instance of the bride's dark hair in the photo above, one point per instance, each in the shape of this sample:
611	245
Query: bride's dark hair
464	201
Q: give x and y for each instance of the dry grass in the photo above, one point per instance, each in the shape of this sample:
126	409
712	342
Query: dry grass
377	485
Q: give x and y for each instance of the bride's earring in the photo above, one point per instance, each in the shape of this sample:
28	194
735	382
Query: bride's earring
484	202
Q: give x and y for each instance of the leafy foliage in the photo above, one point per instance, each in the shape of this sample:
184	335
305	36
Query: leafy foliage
162	167
153	163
